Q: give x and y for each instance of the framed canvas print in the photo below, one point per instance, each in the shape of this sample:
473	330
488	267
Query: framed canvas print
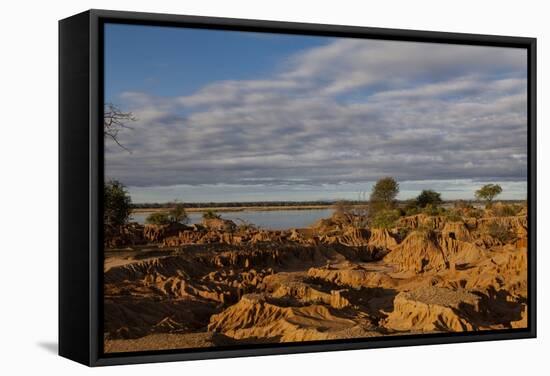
239	187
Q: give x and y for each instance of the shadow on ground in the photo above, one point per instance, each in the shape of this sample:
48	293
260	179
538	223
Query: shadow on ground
50	347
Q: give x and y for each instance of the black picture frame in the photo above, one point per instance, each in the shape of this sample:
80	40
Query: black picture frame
81	179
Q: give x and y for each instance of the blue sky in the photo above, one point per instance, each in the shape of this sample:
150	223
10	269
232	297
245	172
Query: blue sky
235	116
169	61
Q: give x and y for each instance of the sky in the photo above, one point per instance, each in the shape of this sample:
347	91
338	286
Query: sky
235	116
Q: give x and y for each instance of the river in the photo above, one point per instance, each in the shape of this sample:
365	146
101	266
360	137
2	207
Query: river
267	219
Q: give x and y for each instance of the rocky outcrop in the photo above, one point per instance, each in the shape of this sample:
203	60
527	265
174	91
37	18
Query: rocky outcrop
382	238
166	266
219	224
157	233
212	284
352	275
423	251
514	224
284	255
422	220
183	238
354	237
128	235
433	309
458	252
255	316
457	231
418	253
267	236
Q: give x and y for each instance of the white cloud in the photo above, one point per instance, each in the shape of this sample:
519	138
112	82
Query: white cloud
350	111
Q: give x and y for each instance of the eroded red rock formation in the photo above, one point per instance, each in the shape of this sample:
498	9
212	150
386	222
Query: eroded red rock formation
217	283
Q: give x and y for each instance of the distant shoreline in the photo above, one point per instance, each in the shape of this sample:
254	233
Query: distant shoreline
298	206
226	209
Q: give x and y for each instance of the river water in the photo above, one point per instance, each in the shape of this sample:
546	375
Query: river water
267	219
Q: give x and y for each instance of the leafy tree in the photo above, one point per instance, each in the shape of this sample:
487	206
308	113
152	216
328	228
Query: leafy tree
178	214
175	215
116	204
488	192
158	218
428	197
383	195
210	214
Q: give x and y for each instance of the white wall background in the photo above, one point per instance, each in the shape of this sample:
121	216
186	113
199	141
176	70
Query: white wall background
28	189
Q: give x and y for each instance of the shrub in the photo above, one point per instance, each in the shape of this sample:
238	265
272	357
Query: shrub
158	218
433	210
505	210
500	232
385	219
210	214
411	208
245	226
474	213
453	216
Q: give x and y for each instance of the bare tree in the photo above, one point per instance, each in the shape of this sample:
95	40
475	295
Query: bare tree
114	119
360	211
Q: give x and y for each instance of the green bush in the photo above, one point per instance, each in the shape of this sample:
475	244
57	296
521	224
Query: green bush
210	214
433	210
158	218
410	208
245	226
385	219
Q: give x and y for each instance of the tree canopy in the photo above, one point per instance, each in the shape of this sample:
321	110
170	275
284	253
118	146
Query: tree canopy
428	197
176	214
116	204
488	192
383	194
